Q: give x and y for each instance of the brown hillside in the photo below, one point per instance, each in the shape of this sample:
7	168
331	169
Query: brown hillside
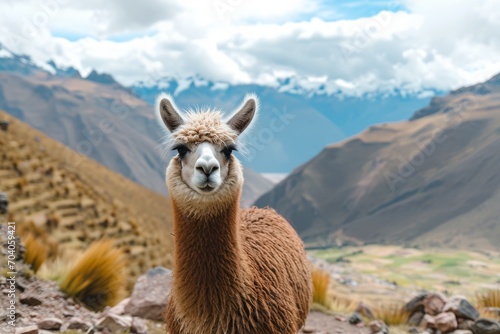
78	201
103	121
432	181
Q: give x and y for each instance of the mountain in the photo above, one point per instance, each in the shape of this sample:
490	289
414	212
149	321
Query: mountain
95	116
75	204
431	181
294	124
441	104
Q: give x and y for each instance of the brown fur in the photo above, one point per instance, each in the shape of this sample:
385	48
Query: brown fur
235	271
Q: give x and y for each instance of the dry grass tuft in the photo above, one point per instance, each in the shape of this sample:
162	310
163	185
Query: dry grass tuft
342	305
40	234
392	314
57	269
36	252
321	282
98	278
488	299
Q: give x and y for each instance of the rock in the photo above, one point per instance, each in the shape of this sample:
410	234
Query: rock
67	313
465	324
365	311
308	330
20	286
33	329
428	322
461	331
150	295
486	326
376	326
30	300
4	203
355	318
414	330
50	323
416	318
462	308
433	303
119	308
114	323
79	324
446	322
416	304
138	326
340	318
4	125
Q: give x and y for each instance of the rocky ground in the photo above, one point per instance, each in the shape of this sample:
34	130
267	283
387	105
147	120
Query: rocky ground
321	323
40	307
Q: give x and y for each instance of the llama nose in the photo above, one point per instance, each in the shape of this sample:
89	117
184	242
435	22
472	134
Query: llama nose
207	166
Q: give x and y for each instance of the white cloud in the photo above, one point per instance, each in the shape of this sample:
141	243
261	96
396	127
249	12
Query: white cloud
435	45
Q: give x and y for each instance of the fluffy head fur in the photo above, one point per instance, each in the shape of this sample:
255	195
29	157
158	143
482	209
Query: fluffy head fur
209	127
201	120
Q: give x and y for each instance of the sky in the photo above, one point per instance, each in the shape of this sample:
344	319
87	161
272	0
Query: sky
355	47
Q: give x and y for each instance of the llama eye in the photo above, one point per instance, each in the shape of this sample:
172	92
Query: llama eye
181	149
228	150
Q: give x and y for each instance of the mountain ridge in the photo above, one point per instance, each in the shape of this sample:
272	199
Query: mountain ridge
321	117
431	181
95	116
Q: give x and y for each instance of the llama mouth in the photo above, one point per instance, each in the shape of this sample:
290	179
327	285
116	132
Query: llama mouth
206	188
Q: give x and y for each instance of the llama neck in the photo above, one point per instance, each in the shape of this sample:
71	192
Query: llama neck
209	264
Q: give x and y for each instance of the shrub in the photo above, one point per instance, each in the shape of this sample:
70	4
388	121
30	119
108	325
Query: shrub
57	269
321	282
488	299
35	252
392	314
342	305
98	277
40	234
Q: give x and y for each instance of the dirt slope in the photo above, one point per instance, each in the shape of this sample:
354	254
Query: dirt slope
76	200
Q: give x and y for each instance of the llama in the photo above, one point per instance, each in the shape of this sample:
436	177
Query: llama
235	271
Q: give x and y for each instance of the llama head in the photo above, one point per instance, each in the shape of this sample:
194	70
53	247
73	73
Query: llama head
204	168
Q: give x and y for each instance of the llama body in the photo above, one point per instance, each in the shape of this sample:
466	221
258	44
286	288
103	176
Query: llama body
235	271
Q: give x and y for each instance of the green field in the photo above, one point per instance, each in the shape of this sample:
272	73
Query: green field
374	267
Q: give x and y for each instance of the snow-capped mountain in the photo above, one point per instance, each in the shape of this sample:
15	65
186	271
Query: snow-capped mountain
295	123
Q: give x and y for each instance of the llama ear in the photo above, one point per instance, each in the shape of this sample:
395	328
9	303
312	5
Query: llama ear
169	115
243	117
